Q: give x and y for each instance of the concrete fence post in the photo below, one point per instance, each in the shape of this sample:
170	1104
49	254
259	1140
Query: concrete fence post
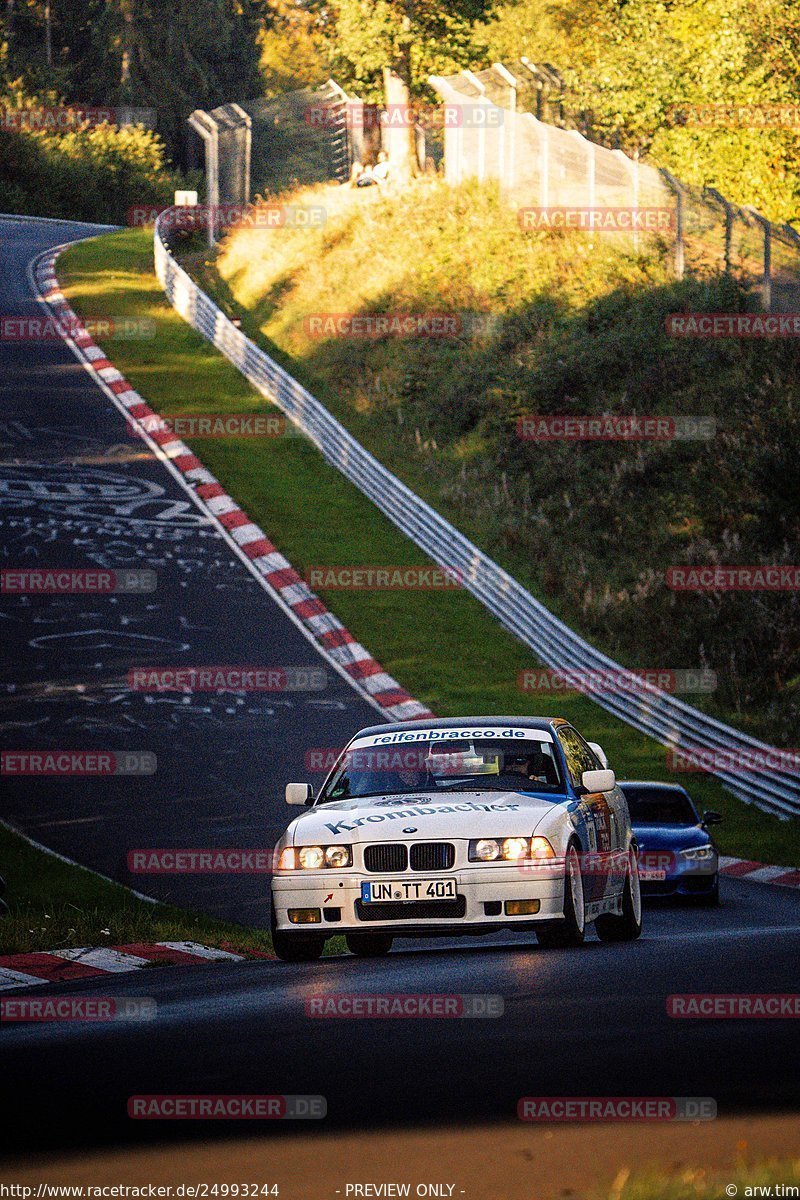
205	125
510	142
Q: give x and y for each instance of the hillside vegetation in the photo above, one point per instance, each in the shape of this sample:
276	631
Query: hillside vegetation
591	527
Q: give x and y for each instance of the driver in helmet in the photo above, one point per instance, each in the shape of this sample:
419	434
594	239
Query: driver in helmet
533	766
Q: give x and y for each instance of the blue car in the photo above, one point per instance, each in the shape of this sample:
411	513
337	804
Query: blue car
677	854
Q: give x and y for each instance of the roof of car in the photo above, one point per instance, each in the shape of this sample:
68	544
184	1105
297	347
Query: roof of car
457	722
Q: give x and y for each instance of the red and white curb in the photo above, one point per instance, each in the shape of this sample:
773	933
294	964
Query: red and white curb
61	966
756	872
339	646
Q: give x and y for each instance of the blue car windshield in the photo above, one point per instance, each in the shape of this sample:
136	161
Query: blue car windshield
659	806
446	766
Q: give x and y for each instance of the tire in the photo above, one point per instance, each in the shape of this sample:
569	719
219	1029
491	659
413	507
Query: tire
369	945
295	947
571	930
627	925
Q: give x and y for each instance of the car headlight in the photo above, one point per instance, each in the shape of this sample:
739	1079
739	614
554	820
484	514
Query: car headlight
509	849
698	853
312	858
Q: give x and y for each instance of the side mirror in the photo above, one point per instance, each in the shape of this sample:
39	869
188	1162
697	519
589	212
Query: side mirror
600	752
711	818
599	781
299	793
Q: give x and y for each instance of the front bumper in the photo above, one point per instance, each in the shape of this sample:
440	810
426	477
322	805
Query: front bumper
337	895
685	878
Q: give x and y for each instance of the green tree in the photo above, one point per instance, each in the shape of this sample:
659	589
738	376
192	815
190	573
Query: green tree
414	38
631	67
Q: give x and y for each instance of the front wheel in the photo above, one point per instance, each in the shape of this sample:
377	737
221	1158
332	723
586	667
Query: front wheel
369	945
626	925
572	929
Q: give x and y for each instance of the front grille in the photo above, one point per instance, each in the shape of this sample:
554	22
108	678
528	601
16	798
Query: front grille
432	856
389	856
423	909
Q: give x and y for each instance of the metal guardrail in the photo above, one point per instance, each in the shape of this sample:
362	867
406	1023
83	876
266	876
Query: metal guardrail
669	720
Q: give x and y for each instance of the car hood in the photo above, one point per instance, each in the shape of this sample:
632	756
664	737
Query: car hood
670	837
424	816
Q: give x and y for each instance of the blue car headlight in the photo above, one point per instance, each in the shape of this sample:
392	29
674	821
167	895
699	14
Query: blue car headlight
698	853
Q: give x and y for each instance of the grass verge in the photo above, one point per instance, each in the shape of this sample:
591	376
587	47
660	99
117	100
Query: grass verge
443	646
55	905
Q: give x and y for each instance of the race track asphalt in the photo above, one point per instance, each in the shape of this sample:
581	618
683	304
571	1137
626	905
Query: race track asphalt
77	490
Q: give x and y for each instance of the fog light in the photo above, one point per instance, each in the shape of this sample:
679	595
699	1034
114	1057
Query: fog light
521	908
305	916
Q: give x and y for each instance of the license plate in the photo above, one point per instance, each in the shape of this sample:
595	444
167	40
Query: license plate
651	876
381	891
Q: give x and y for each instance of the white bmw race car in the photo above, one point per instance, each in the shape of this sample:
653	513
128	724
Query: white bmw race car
457	826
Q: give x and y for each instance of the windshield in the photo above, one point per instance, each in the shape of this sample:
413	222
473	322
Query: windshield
448	766
656	806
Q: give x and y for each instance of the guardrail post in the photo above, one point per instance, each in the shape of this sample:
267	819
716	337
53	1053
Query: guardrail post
680	205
